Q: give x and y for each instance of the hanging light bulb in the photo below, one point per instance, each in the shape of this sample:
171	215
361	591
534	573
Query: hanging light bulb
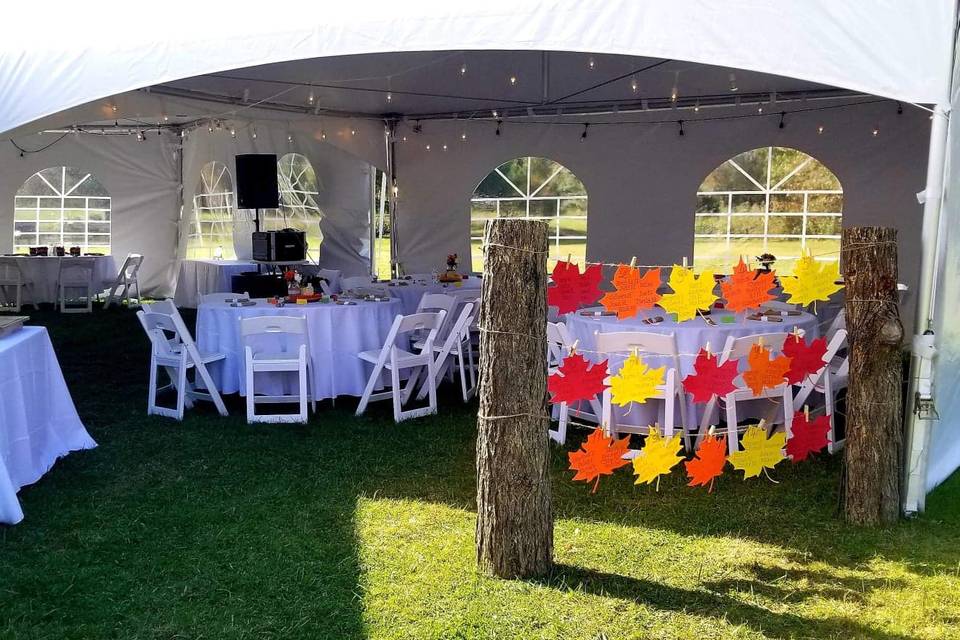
444	147
634	85
760	108
290	138
463	136
696	106
733	82
113	107
311	98
819	129
139	135
323	134
353	132
210	127
592	63
494	112
674	94
166	118
463	69
233	132
253	133
513	80
403	139
876	131
389	97
428	147
183	133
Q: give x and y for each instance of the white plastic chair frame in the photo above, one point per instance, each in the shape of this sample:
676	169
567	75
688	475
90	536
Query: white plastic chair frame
671	391
11	276
392	358
172	348
455	352
737	349
559	343
259	362
128	279
76	274
829	380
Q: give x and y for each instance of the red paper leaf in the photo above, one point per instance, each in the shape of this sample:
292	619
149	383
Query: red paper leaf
764	373
747	289
598	456
577	382
634	292
709	379
709	463
807	437
572	288
804	359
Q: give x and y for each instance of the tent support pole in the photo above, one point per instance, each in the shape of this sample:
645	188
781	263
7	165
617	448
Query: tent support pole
920	402
389	129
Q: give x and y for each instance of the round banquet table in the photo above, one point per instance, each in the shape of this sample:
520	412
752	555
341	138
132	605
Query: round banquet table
38	422
336	334
691	336
199	277
409	292
43	273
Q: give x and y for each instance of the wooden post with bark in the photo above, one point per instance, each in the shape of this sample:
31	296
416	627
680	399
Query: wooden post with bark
514	511
873	456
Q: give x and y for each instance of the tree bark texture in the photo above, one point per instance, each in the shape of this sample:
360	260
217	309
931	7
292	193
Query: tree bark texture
873	455
514	511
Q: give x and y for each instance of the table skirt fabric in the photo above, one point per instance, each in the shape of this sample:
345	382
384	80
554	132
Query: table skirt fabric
42	274
199	277
336	334
691	336
38	421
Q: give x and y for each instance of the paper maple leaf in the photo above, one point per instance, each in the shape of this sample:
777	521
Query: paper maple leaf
572	288
634	292
746	289
708	463
807	437
657	457
764	373
577	382
708	379
804	359
635	382
690	293
758	452
812	281
598	456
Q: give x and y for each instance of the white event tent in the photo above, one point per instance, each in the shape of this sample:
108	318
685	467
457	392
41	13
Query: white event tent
436	94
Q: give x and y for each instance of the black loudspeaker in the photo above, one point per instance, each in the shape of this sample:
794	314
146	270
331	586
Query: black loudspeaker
258	285
257	181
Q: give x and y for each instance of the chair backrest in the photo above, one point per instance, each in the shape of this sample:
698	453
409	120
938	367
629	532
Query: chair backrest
221	298
736	348
428	322
459	330
559	342
77	269
10	271
437	302
293	329
166	307
839	323
349	283
130	267
164	334
659	344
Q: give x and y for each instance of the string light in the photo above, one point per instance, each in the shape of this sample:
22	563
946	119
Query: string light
674	94
114	107
233	132
246	95
696	107
760	107
592	63
166	118
463	136
680	127
463	69
428	147
389	97
820	129
583	136
733	82
634	85
403	139
444	147
311	98
290	138
253	133
876	131
513	80
494	112
323	134
210	127
140	135
353	132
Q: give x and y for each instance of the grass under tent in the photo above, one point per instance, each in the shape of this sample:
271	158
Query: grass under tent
360	528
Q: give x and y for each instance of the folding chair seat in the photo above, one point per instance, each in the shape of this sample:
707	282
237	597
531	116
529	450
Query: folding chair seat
172	348
127	280
394	358
76	277
559	346
289	352
660	346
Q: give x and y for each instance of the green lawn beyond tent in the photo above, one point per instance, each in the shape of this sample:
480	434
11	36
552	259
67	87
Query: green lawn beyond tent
360	528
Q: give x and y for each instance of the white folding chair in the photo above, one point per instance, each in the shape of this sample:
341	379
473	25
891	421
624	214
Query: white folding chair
292	356
126	278
439	302
75	281
559	344
173	349
11	278
165	307
738	349
455	352
662	345
351	283
394	359
222	298
828	381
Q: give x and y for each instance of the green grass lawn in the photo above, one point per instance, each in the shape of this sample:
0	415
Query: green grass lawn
360	528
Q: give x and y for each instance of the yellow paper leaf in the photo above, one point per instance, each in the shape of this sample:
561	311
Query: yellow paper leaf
812	281
657	457
635	382
690	292
757	451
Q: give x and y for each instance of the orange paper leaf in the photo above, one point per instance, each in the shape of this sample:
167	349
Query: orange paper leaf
634	292
747	289
764	373
598	456
709	463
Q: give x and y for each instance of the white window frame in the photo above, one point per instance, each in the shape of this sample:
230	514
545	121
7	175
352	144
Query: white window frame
25	205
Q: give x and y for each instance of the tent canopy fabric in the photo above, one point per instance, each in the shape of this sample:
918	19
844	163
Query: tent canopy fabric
899	49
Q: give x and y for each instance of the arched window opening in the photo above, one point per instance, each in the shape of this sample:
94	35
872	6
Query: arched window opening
535	189
772	200
299	191
62	206
211	230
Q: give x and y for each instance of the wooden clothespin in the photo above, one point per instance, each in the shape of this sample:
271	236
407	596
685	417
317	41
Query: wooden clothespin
806	412
633	262
573	347
707	349
760	341
796	333
636	352
684	262
762	424
569	255
712	430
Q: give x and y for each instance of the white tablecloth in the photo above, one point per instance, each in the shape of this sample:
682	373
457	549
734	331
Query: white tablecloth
38	422
42	273
337	333
691	336
199	277
409	292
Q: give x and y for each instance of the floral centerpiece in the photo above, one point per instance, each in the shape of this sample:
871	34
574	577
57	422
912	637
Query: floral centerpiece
451	275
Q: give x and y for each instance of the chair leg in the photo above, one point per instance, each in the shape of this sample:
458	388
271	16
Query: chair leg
251	405
302	379
433	387
368	390
396	390
181	388
152	391
732	444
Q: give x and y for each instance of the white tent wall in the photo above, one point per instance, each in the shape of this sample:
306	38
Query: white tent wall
642	179
143	180
345	180
893	48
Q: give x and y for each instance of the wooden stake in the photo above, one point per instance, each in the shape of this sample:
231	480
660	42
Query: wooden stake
514	535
